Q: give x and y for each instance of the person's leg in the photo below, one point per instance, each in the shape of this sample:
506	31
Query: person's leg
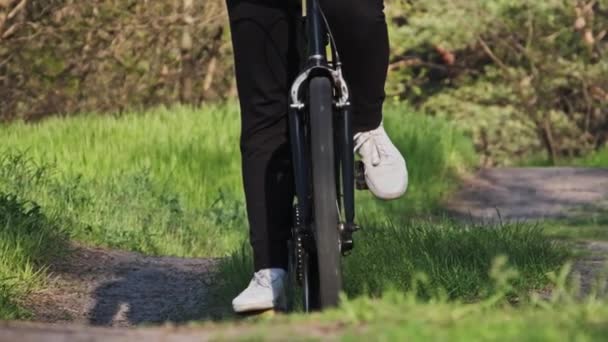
360	30
261	31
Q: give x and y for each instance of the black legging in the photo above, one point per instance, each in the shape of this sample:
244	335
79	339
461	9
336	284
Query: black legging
266	61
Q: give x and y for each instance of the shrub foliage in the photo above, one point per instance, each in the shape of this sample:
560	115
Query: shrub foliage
64	56
523	77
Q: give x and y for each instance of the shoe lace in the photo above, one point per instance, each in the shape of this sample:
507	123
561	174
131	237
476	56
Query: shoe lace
262	279
377	140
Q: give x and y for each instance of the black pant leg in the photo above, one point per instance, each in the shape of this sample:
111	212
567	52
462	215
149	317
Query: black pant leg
360	30
265	62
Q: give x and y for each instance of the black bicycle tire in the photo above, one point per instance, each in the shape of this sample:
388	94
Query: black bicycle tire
325	212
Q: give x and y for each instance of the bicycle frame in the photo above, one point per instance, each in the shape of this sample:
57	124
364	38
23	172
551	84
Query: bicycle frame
317	65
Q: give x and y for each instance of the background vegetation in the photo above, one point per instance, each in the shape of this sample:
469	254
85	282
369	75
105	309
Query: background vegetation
66	56
522	77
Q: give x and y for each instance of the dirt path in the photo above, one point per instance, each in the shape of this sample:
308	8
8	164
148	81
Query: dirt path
509	194
121	289
532	193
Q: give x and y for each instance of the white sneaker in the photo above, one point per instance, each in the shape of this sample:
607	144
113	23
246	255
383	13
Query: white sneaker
385	168
265	291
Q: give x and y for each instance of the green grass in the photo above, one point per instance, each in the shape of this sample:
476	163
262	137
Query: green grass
586	228
437	257
192	152
402	317
595	159
28	240
167	182
128	210
164	182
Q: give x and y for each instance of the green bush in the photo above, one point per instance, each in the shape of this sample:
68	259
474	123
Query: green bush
522	77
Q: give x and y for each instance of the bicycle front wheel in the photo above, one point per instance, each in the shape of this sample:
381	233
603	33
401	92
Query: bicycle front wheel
325	209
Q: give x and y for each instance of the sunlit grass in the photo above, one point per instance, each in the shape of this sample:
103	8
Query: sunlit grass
167	182
588	227
596	159
28	240
405	316
442	257
194	152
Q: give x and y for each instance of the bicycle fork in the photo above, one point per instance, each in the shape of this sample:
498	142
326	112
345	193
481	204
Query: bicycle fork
345	174
346	169
317	66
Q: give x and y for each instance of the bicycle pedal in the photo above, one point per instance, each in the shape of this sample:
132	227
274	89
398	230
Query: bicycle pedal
360	182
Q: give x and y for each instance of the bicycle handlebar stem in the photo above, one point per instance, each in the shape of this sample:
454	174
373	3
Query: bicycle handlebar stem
316	33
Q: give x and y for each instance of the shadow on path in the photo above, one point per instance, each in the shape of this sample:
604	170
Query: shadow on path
149	294
116	288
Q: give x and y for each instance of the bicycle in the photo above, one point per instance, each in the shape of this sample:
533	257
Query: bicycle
322	148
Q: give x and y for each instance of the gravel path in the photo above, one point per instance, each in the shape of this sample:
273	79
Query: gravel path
532	193
121	289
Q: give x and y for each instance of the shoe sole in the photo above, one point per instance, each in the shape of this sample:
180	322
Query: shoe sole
383	195
279	305
252	307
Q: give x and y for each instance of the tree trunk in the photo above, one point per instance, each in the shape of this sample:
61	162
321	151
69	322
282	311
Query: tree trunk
546	135
187	58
